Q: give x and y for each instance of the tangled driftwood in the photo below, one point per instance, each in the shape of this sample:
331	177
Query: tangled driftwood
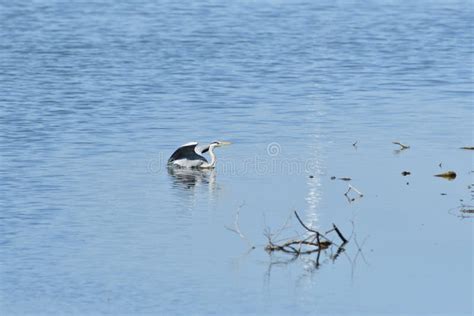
315	242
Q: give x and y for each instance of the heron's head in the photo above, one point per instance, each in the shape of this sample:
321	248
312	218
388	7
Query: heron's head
219	143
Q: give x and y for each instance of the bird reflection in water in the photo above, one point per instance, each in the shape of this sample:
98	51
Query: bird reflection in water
190	179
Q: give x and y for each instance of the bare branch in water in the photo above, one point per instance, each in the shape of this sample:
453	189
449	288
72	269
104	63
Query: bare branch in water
236	228
314	242
303	224
344	240
402	146
308	245
318	234
352	188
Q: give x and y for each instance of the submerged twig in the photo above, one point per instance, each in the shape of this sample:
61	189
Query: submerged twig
351	187
318	234
319	252
236	228
303	224
403	147
324	249
312	243
359	249
463	211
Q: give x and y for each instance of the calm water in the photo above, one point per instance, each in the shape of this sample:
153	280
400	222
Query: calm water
94	97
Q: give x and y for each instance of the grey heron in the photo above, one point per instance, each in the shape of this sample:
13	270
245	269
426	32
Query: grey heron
190	155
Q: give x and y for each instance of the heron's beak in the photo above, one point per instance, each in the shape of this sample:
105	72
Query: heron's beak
224	143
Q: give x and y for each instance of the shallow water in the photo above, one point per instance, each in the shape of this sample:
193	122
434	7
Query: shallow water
94	97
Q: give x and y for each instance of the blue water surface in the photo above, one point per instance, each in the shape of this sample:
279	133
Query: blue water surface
95	96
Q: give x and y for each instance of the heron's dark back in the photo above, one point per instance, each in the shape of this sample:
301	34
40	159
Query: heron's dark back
186	152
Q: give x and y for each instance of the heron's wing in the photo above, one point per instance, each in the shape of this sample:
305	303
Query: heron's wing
186	152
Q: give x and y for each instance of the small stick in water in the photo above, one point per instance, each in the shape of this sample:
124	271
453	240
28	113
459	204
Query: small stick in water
401	145
344	240
353	188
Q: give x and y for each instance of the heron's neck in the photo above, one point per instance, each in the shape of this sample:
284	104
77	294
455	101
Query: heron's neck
213	157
